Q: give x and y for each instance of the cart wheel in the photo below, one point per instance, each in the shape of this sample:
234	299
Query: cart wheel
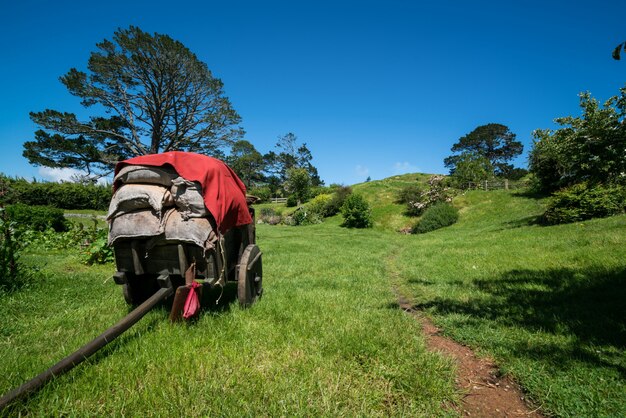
250	276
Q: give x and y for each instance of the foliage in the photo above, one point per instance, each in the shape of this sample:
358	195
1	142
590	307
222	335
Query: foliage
10	266
298	184
617	52
408	195
290	155
436	217
340	195
98	250
356	212
321	204
305	215
247	162
494	142
292	201
437	191
583	201
262	192
270	216
38	218
60	195
471	169
159	96
587	148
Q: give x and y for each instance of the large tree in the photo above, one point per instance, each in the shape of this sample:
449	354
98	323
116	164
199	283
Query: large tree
291	155
588	148
493	141
152	95
247	162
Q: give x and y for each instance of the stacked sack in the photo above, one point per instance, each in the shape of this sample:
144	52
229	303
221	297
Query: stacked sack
156	203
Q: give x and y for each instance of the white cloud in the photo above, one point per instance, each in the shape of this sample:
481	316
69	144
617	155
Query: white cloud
361	170
404	167
64	174
58	174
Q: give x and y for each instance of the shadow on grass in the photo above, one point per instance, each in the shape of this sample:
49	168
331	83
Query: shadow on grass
525	221
586	306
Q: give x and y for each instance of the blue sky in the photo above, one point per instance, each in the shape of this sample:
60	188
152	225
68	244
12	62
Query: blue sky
375	88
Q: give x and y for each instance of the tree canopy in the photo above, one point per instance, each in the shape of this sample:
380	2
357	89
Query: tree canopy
588	148
247	162
291	155
493	141
152	95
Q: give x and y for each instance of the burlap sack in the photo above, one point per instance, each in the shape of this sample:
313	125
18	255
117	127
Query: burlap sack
193	230
133	197
140	224
146	174
188	198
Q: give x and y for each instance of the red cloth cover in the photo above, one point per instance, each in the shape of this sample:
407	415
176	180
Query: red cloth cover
224	193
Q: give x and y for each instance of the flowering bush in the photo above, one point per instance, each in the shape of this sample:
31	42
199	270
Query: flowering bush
437	192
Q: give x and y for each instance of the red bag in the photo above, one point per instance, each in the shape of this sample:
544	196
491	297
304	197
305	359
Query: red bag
192	304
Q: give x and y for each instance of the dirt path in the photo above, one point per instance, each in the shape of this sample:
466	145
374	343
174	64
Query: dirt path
486	393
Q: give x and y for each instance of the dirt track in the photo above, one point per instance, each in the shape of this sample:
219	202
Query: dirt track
485	392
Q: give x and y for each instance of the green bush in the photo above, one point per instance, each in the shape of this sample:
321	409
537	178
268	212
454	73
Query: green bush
304	216
583	201
263	193
435	217
38	218
270	216
292	201
340	195
9	254
356	212
98	250
409	195
59	195
320	204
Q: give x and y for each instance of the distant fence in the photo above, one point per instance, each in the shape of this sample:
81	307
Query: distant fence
278	200
496	185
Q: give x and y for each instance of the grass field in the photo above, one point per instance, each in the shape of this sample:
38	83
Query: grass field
327	338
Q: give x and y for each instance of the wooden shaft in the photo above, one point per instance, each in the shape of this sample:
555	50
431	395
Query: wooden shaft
87	350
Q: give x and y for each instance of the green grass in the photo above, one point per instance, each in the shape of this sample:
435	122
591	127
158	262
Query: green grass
327	338
548	303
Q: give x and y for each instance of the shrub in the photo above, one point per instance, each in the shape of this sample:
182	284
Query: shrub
98	250
9	254
60	195
408	196
356	212
418	199
340	195
263	193
292	201
305	216
319	204
269	216
38	218
435	217
583	201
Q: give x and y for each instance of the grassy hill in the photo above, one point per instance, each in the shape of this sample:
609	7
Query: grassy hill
382	196
547	303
